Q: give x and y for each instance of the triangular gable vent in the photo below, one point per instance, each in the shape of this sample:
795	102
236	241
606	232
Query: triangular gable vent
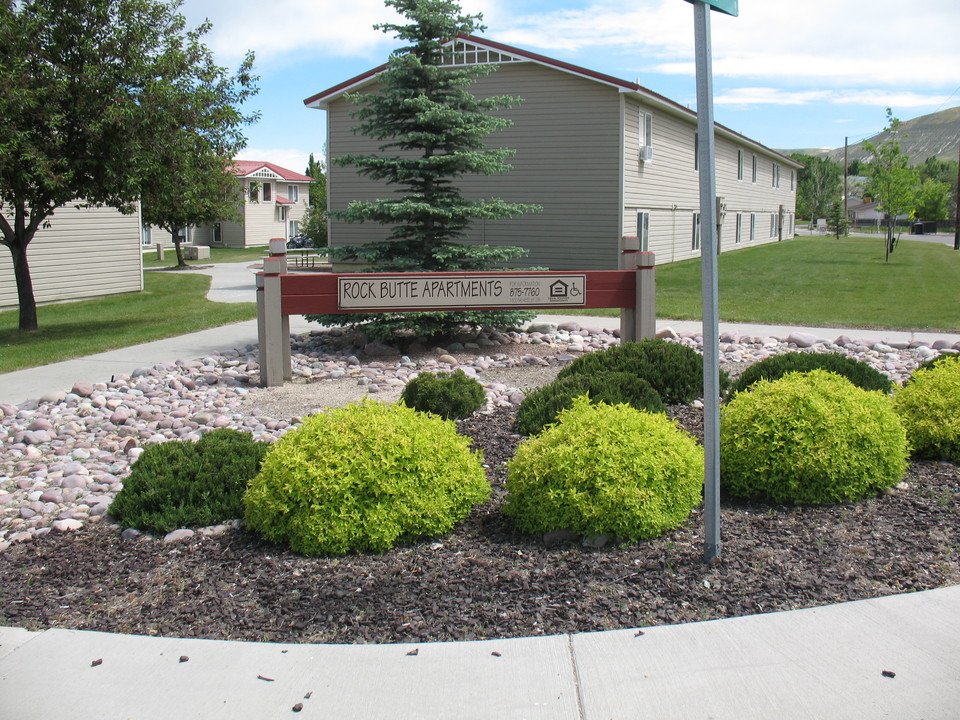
265	173
467	53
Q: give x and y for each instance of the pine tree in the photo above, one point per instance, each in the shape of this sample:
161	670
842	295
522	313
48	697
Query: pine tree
432	131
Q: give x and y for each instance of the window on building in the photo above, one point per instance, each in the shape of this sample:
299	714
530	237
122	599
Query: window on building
643	231
696	151
254	195
775	175
754	177
266	192
739	236
695	244
294	228
293	193
793	179
753	227
145	236
774	225
739	164
646	129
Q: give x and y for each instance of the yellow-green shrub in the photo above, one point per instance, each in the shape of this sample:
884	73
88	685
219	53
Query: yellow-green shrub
810	437
363	477
605	470
929	406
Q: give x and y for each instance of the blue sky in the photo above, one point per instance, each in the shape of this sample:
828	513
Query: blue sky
787	73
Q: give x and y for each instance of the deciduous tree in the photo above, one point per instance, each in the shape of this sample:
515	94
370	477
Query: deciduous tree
892	182
75	114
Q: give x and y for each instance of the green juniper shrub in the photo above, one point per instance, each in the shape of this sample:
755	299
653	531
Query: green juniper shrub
776	366
449	395
810	437
933	362
605	470
541	407
185	484
364	477
674	370
929	407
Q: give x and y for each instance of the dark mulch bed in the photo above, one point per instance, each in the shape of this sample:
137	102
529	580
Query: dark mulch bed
486	580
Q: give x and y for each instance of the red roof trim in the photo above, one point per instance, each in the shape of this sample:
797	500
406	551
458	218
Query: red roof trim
244	168
281	200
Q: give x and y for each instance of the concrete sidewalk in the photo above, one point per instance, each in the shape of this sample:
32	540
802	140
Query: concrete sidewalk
826	662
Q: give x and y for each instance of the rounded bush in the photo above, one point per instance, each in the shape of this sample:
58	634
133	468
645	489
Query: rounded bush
184	484
449	395
363	477
674	370
776	366
929	407
933	362
605	470
541	407
810	438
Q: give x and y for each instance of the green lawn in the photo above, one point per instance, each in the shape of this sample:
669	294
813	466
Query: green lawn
822	282
170	304
217	255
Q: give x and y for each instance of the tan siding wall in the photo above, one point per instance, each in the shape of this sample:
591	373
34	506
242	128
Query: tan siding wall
85	253
668	187
568	148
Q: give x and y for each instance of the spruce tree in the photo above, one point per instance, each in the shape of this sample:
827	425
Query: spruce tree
432	131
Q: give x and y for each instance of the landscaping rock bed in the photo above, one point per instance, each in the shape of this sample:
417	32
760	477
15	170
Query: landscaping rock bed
62	564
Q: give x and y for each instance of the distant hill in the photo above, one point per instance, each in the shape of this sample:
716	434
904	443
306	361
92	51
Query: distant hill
935	135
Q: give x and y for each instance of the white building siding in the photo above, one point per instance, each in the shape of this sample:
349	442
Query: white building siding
668	186
86	252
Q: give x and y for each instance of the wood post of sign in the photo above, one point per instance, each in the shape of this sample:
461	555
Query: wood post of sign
273	327
640	321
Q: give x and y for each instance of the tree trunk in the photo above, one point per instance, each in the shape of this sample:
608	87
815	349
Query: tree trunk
28	304
175	232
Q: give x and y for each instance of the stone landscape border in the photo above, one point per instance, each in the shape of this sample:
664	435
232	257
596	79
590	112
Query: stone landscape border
281	294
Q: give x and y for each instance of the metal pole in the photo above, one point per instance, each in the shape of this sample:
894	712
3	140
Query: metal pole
708	256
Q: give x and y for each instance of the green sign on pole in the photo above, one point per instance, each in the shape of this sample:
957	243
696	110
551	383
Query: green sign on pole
725	6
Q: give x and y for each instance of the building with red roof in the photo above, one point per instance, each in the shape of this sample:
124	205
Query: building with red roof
275	200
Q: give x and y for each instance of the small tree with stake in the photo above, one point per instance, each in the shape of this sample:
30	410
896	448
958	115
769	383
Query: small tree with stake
892	181
432	131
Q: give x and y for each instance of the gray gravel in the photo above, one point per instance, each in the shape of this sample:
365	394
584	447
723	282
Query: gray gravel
64	456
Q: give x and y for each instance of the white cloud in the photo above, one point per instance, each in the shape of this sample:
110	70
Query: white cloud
887	43
779	96
283	29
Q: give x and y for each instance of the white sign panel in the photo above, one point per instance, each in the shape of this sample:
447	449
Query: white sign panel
406	292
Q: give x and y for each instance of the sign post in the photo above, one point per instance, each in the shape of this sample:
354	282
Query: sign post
708	257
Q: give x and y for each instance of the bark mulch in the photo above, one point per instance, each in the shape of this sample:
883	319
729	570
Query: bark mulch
486	580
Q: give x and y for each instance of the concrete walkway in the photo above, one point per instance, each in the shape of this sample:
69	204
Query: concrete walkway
234	282
894	657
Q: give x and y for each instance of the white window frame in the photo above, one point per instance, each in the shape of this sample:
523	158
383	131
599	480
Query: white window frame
738	238
254	194
754	175
645	130
696	151
740	165
753	227
775	175
293	193
267	190
294	228
146	235
643	230
695	241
